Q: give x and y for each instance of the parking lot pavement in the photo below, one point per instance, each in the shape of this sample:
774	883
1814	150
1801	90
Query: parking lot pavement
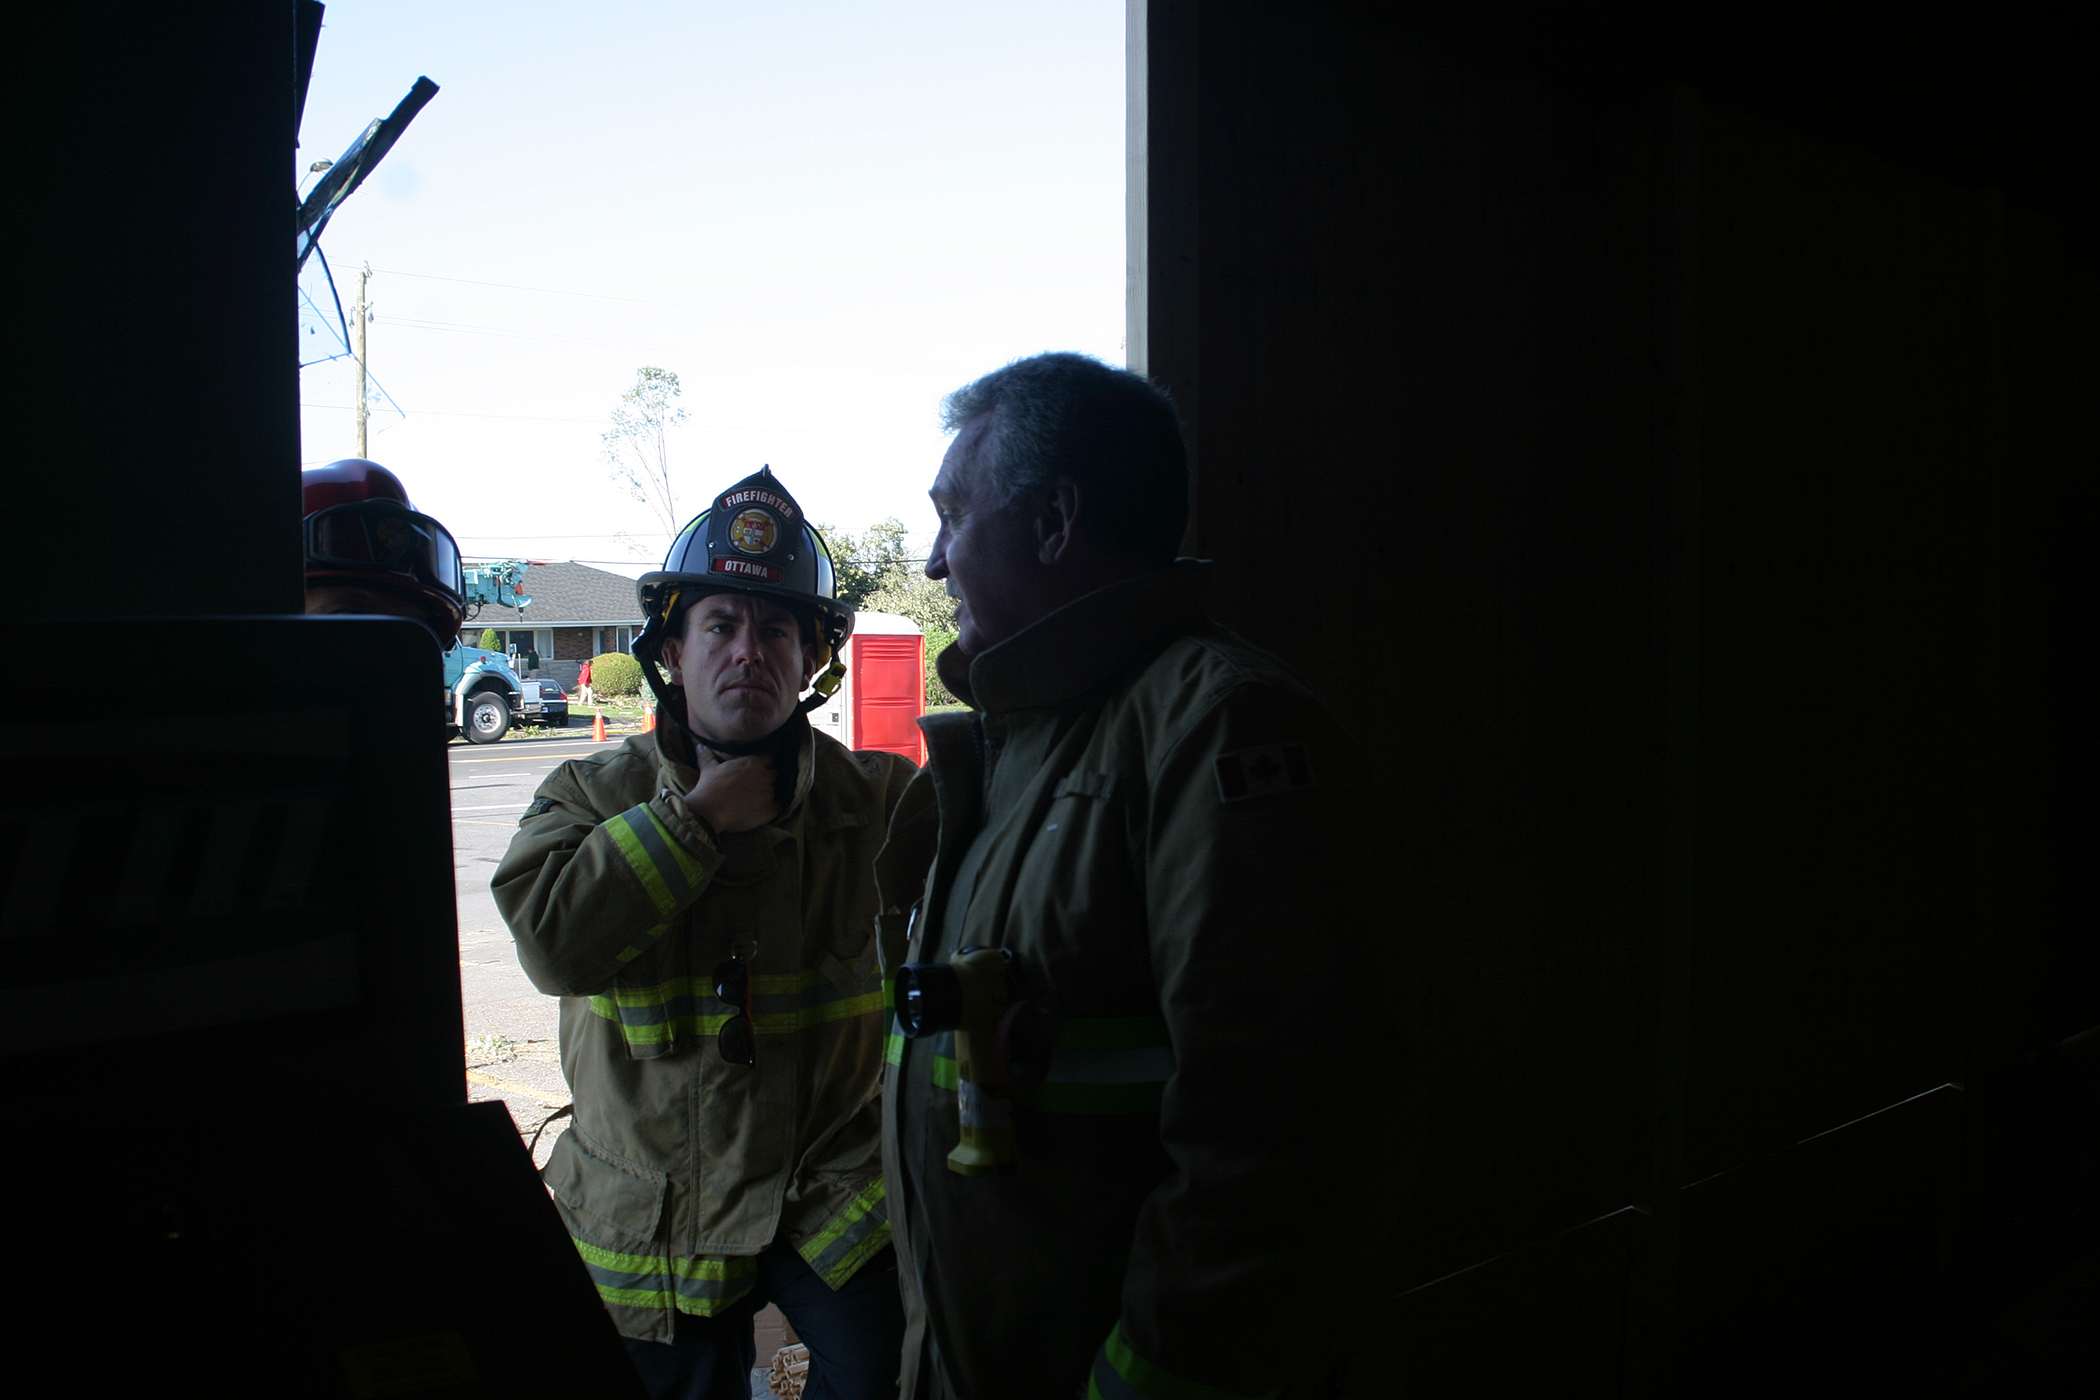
512	1029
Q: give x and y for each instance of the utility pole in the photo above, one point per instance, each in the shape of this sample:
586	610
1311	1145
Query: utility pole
362	276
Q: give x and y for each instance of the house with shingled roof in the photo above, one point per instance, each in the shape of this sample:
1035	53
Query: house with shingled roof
576	612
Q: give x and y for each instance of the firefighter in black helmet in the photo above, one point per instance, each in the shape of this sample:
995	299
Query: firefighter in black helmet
754	540
702	900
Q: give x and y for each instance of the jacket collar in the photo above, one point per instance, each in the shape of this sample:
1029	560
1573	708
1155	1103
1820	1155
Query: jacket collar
674	758
1088	642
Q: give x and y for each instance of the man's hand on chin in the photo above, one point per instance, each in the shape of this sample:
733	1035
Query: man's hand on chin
733	794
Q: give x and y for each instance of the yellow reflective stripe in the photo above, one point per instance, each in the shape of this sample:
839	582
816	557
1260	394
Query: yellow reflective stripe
853	1237
1121	1374
688	868
653	1022
785	1022
622	830
660	993
699	1285
650	1015
627	1263
637	1297
641	945
698	1266
876	1240
764	984
666	870
941	1067
854	1210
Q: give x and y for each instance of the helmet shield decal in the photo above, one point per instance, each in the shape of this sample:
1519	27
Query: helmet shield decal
755	532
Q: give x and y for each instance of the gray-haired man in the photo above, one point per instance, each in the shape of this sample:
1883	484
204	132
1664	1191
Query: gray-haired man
1138	809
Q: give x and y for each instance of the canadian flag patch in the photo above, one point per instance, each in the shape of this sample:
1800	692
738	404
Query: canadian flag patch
1259	771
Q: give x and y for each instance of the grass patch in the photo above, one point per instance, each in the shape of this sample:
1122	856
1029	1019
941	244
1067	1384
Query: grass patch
492	1049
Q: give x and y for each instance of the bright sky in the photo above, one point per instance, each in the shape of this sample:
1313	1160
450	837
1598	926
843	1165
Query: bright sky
821	216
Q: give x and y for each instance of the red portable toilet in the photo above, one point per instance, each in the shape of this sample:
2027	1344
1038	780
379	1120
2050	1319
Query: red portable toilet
884	692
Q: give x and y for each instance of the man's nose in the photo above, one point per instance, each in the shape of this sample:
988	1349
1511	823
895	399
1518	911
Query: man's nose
937	560
747	651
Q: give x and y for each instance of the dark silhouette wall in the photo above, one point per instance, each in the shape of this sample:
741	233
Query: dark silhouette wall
1664	444
154	384
233	1026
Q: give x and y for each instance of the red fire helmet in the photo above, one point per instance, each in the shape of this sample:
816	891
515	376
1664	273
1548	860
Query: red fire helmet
361	531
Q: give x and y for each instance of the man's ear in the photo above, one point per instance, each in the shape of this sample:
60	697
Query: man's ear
1057	519
668	652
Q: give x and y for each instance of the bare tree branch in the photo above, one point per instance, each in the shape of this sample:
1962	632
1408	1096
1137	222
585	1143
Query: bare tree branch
638	447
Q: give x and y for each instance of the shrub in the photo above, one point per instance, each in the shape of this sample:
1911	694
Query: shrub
937	641
489	640
615	674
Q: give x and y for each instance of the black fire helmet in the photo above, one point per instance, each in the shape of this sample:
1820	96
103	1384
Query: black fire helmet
753	539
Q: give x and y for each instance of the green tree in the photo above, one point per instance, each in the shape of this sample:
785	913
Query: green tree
489	640
875	558
638	445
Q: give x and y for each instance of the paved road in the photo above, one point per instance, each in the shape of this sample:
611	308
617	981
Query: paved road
511	1028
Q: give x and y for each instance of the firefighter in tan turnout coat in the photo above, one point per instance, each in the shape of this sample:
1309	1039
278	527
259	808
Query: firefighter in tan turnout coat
1150	1188
702	900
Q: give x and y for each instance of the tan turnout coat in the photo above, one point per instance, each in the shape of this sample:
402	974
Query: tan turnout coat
682	1167
1156	818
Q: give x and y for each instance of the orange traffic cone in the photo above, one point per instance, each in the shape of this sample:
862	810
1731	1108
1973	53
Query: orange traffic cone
598	728
648	718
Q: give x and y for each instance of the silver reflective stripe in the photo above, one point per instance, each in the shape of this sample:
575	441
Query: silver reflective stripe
623	1278
715	1290
642	822
851	1241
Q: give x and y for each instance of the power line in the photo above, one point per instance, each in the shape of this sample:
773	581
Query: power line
710	310
559	338
706	427
440	413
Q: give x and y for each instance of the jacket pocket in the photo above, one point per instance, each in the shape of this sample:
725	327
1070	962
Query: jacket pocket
605	1198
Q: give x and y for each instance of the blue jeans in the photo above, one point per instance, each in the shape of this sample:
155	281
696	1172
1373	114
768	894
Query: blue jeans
853	1334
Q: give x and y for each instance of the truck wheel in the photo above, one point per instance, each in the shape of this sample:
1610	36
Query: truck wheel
488	717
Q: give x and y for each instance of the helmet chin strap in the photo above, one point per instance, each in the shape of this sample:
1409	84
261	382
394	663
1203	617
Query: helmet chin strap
827	684
737	748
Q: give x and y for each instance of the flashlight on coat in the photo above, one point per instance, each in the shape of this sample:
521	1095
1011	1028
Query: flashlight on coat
973	994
